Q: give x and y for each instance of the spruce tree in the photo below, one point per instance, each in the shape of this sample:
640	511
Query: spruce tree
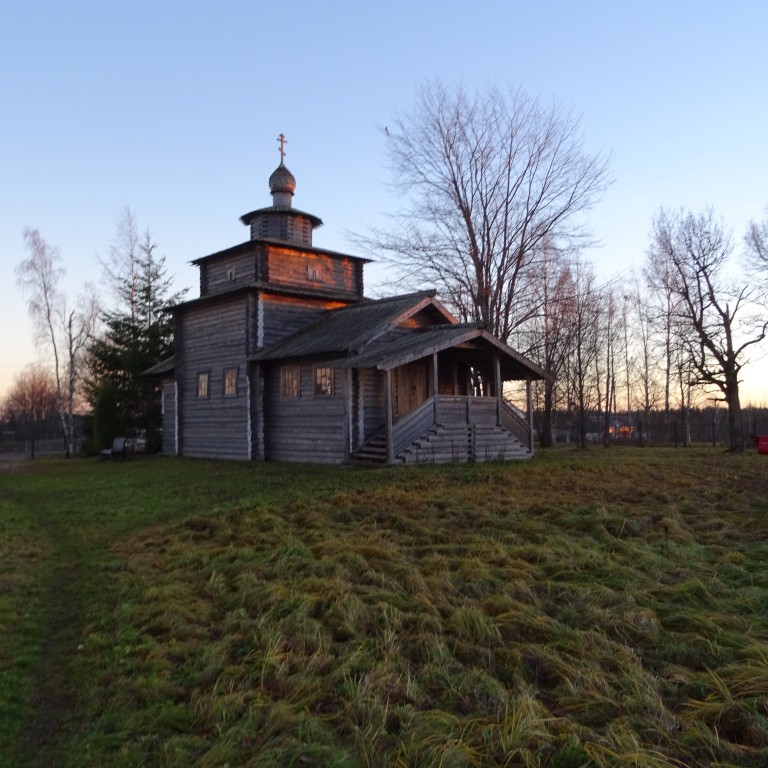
137	335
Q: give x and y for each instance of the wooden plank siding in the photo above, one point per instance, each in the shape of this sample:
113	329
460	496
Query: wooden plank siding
213	341
228	272
284	315
290	268
170	410
371	398
305	428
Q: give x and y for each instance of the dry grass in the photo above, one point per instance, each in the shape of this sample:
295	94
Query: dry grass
584	609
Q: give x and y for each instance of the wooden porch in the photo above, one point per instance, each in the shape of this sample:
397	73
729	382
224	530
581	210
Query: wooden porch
447	428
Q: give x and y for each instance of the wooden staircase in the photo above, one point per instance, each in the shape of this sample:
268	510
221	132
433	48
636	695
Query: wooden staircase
464	443
442	444
374	452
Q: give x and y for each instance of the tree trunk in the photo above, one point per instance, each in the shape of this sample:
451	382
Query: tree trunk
735	423
545	433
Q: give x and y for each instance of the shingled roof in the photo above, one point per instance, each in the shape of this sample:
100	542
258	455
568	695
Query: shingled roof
356	337
394	351
346	331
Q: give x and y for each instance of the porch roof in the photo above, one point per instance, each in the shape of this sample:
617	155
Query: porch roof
468	341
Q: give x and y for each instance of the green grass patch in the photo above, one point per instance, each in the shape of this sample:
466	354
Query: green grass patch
600	608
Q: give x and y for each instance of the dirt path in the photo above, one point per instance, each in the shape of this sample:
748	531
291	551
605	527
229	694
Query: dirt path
56	699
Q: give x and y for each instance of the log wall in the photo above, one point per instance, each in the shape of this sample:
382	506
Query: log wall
228	272
372	384
214	340
288	267
284	315
305	428
170	446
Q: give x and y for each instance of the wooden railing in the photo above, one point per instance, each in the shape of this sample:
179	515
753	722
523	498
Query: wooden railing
515	424
460	409
413	425
457	410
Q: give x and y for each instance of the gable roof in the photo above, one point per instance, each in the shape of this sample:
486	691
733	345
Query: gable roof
356	337
391	352
349	329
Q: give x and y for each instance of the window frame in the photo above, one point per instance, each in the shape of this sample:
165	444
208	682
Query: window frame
230	377
323	383
203	391
290	375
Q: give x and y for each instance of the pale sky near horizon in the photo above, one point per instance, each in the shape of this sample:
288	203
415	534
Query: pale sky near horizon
173	109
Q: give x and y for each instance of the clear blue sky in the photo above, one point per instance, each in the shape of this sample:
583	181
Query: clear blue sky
173	109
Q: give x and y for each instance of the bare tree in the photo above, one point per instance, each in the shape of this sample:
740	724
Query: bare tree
645	365
692	254
32	399
580	368
548	336
489	180
756	242
65	332
608	340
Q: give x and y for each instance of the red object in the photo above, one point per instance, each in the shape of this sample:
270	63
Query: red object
762	443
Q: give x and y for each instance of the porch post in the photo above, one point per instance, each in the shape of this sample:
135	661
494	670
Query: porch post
256	375
348	411
388	406
434	385
469	397
497	386
529	400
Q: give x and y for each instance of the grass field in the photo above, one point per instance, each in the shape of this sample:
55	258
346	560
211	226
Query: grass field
598	608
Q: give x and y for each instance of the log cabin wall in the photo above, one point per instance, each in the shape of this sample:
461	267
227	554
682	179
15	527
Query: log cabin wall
214	341
169	406
372	401
227	272
314	271
284	315
295	228
305	428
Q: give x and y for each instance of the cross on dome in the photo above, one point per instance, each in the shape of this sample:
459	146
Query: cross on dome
282	141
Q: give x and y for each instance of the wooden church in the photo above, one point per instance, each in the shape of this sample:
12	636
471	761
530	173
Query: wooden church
283	358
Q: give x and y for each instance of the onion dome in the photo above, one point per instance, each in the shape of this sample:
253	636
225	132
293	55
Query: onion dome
282	185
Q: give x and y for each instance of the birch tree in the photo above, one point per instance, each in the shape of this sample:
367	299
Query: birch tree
61	329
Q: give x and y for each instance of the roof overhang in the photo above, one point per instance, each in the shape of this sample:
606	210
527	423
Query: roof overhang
162	368
468	341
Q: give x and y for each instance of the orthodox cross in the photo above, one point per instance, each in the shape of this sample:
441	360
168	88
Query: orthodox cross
282	141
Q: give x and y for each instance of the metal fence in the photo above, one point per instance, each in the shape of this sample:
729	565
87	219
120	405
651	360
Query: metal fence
32	448
708	427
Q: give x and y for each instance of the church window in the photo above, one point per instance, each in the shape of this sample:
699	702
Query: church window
323	382
231	274
290	380
202	383
230	382
313	274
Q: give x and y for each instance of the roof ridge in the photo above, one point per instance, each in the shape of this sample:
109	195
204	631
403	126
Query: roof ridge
429	292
